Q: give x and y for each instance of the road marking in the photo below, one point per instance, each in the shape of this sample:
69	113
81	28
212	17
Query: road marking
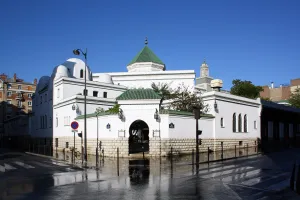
24	165
221	173
6	167
56	163
41	164
203	171
236	177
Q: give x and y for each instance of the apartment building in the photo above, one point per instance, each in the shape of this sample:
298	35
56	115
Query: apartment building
15	97
280	93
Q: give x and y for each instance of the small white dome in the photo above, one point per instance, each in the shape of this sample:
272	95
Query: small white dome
61	71
105	78
76	67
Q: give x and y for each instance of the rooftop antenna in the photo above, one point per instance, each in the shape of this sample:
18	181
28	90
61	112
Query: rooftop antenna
146	41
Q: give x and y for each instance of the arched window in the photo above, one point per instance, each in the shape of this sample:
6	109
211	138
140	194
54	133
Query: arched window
245	124
234	122
240	123
81	73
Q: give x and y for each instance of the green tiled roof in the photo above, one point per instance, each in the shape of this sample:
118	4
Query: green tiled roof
184	113
134	94
94	115
146	55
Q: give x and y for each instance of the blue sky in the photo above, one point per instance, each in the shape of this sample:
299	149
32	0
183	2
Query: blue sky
255	40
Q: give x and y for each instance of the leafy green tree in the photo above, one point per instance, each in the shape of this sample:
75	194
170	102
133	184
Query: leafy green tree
265	98
99	110
294	100
115	109
163	90
184	99
245	89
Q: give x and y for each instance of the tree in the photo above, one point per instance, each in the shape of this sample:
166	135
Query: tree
265	98
245	89
99	110
294	100
114	110
163	90
185	100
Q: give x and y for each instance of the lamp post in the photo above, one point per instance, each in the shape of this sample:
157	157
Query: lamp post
77	52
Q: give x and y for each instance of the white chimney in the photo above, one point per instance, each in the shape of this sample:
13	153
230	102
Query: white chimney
272	84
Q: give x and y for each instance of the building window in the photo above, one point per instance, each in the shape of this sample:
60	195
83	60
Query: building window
9	93
81	73
58	90
19	87
240	123
104	94
234	122
29	95
56	121
45	121
50	122
255	125
20	95
29	103
8	101
95	93
245	124
45	97
8	86
222	122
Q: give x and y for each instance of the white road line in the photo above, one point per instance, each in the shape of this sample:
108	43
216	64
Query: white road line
41	164
261	179
56	163
221	173
203	171
6	167
236	177
24	165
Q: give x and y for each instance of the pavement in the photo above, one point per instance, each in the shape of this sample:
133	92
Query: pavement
24	176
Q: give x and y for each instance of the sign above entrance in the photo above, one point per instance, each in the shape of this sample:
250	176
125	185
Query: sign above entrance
74	125
171	125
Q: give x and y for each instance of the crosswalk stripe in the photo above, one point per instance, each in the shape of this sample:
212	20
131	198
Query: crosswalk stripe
56	163
6	167
203	171
41	164
221	173
24	165
241	176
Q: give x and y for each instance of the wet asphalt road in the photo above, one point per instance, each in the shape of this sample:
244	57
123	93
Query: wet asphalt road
258	177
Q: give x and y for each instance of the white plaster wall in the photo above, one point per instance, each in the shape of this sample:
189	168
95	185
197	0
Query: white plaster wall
115	126
227	105
144	80
164	126
185	127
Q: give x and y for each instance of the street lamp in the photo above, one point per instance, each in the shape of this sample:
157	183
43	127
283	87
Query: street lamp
197	117
77	52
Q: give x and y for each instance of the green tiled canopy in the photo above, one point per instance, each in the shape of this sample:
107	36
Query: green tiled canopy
146	55
134	94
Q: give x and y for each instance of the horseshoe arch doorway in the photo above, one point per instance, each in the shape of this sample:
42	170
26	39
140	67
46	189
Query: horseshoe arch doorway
138	137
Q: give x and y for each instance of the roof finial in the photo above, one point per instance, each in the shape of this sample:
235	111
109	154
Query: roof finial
204	62
146	41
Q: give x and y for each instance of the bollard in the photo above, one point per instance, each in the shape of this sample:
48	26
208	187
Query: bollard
235	151
97	157
29	147
72	157
44	149
222	151
207	155
193	160
82	155
118	159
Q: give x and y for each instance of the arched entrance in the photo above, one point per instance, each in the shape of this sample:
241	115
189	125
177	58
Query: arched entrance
138	137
